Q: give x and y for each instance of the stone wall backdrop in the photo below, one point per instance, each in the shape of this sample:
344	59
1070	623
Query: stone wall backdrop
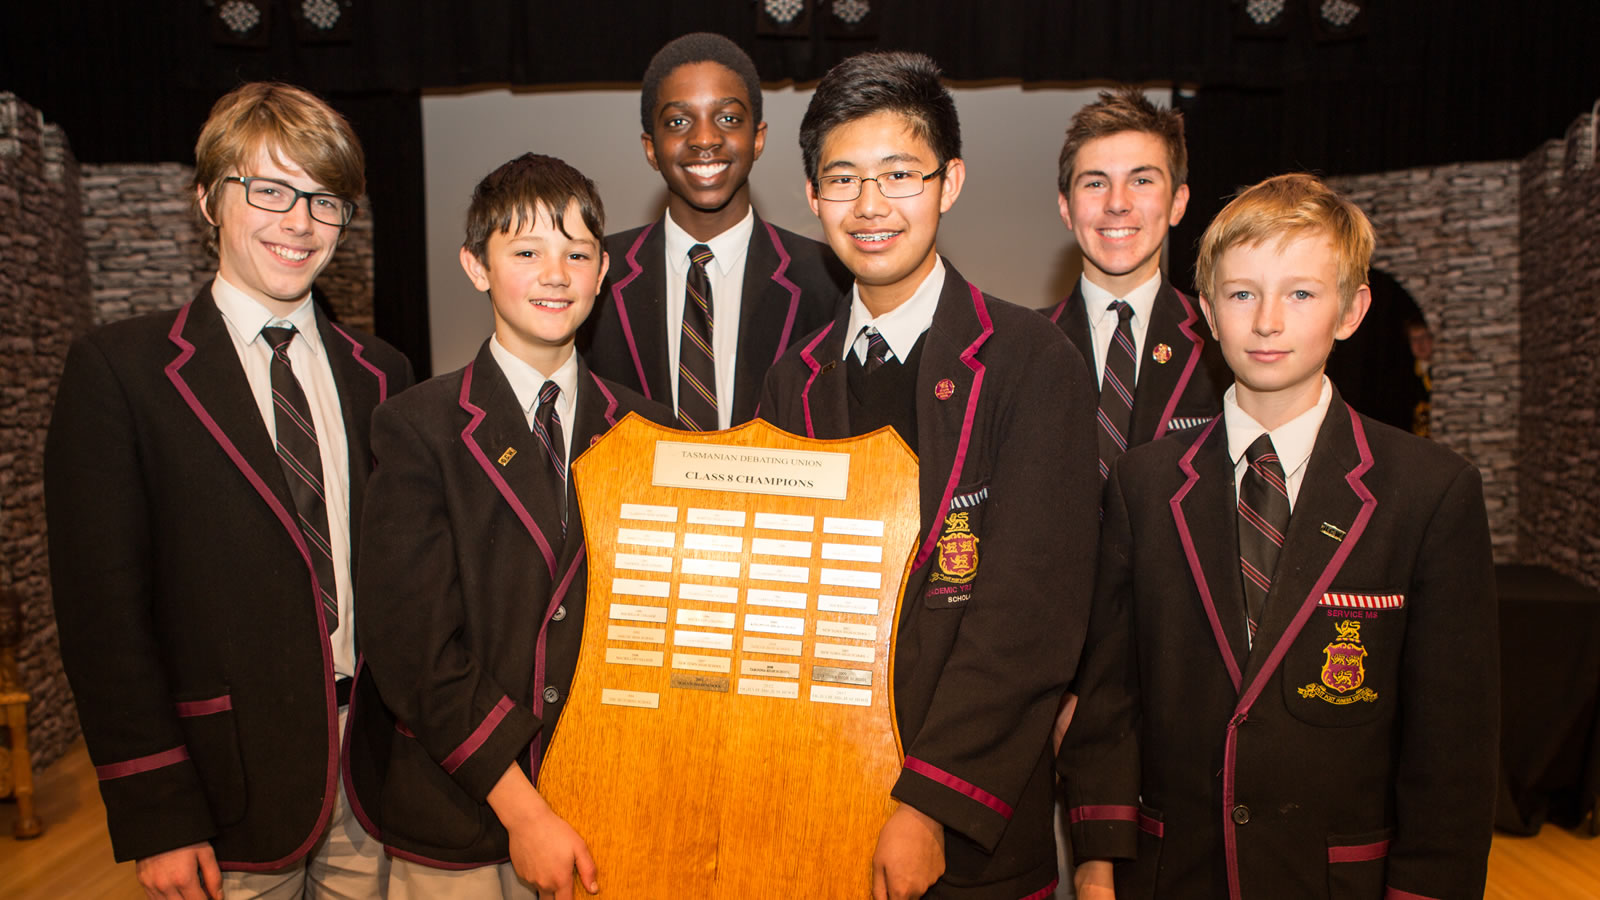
1449	235
1559	475
44	305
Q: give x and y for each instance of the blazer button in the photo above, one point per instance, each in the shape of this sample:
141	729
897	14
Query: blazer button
551	695
1241	813
559	614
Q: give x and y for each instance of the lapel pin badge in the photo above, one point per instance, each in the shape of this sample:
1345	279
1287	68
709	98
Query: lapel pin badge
827	368
506	456
595	439
1333	531
1161	354
945	389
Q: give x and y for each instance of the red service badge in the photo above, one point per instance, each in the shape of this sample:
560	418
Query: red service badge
945	389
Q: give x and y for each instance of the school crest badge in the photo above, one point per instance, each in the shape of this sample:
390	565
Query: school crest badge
1343	669
958	551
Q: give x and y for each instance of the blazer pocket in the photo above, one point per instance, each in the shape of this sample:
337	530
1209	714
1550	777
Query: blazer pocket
211	734
1344	667
1136	878
958	549
423	804
1358	864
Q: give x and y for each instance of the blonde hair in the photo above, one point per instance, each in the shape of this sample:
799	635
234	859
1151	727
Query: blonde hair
1285	207
290	124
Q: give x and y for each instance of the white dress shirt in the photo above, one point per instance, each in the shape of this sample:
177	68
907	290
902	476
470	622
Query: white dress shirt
729	250
900	326
308	359
1292	440
526	382
1103	322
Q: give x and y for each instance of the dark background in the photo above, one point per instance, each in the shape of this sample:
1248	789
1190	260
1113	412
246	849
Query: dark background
1410	84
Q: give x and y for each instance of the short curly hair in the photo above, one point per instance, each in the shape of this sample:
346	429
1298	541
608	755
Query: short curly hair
699	46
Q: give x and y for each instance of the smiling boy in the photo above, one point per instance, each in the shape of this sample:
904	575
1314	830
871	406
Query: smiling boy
1121	186
474	595
998	410
1290	682
699	304
205	472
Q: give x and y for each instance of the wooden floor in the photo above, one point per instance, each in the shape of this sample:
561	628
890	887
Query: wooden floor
73	857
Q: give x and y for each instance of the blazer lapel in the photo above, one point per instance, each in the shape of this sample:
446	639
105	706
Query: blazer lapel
1074	322
1203	512
949	384
1330	514
362	386
638	292
496	434
1174	335
596	412
824	398
769	302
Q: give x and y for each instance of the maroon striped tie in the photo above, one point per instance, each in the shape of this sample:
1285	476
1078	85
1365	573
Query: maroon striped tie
697	367
1263	521
547	428
1116	390
302	466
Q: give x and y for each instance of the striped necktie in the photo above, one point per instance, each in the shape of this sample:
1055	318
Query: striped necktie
877	349
547	428
697	367
1263	521
1116	390
302	467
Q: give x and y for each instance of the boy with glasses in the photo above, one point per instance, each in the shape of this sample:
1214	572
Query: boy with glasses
205	471
997	407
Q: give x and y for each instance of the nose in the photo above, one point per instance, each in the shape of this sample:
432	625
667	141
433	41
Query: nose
704	135
1118	201
871	204
555	273
297	218
1269	317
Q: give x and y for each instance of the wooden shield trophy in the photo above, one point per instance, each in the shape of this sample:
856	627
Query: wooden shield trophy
730	728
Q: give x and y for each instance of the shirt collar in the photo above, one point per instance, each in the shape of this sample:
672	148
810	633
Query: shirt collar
727	249
246	316
1292	440
1141	298
526	380
901	326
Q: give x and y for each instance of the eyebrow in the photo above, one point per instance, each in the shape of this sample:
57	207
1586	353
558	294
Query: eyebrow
1136	170
891	158
686	105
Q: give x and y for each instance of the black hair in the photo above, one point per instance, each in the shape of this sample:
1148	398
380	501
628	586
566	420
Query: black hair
882	81
700	46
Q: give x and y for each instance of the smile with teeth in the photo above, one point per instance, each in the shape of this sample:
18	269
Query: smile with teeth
288	253
707	170
552	304
873	237
1118	232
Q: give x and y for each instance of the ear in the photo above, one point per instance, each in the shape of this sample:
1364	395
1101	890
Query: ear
200	198
1065	205
1180	203
1211	319
605	265
955	175
811	198
1357	310
761	139
649	144
475	269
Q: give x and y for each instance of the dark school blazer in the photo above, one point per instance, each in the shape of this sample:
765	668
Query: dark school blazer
190	628
1178	387
983	652
1353	751
791	288
470	607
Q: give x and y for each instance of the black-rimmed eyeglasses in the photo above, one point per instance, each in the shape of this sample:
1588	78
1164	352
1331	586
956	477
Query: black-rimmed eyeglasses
275	196
892	185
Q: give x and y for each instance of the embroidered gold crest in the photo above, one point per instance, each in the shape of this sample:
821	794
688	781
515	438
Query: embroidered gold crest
1343	669
958	551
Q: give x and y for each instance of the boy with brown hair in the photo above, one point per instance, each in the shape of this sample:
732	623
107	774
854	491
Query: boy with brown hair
205	473
474	584
1290	682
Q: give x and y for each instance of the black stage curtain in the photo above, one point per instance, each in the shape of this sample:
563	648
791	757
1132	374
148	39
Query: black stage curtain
1425	82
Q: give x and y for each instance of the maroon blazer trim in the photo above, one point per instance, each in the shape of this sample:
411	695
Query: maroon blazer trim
356	807
174	372
816	369
488	469
1048	890
622	308
536	751
438	863
142	764
475	740
783	282
356	349
960	786
1358	852
1186	465
191	708
1397	894
1188	368
969	356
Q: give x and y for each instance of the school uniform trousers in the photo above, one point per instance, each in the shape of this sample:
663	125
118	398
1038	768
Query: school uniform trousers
190	632
791	287
984	645
1351	752
470	606
1182	375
